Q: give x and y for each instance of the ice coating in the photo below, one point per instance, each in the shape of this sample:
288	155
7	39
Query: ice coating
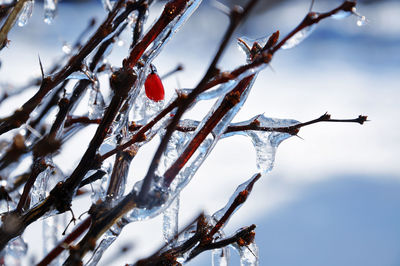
26	13
50	8
45	182
145	109
214	93
220	213
248	46
99	188
219	91
170	222
108	238
66	48
170	30
193	164
161	196
15	252
341	14
299	37
176	145
107	4
53	227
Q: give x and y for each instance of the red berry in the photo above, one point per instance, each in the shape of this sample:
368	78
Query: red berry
154	88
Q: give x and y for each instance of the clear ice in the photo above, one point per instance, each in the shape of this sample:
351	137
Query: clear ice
53	227
265	142
341	14
15	252
220	213
299	37
50	8
248	254
220	257
45	182
170	221
26	13
96	104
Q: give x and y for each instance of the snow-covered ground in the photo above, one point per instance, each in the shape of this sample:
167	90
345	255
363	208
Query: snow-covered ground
332	198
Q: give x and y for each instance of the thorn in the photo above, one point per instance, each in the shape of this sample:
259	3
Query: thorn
272	69
178	84
72	220
178	68
41	66
325	116
299	137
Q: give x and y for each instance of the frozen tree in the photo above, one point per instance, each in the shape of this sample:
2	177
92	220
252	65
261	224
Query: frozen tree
129	111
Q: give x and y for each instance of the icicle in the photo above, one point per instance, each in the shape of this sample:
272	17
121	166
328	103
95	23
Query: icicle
45	181
96	104
248	254
53	227
15	252
170	222
50	8
265	145
265	142
299	37
99	188
26	13
220	257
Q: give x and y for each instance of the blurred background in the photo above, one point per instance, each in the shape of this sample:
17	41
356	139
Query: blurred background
333	196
